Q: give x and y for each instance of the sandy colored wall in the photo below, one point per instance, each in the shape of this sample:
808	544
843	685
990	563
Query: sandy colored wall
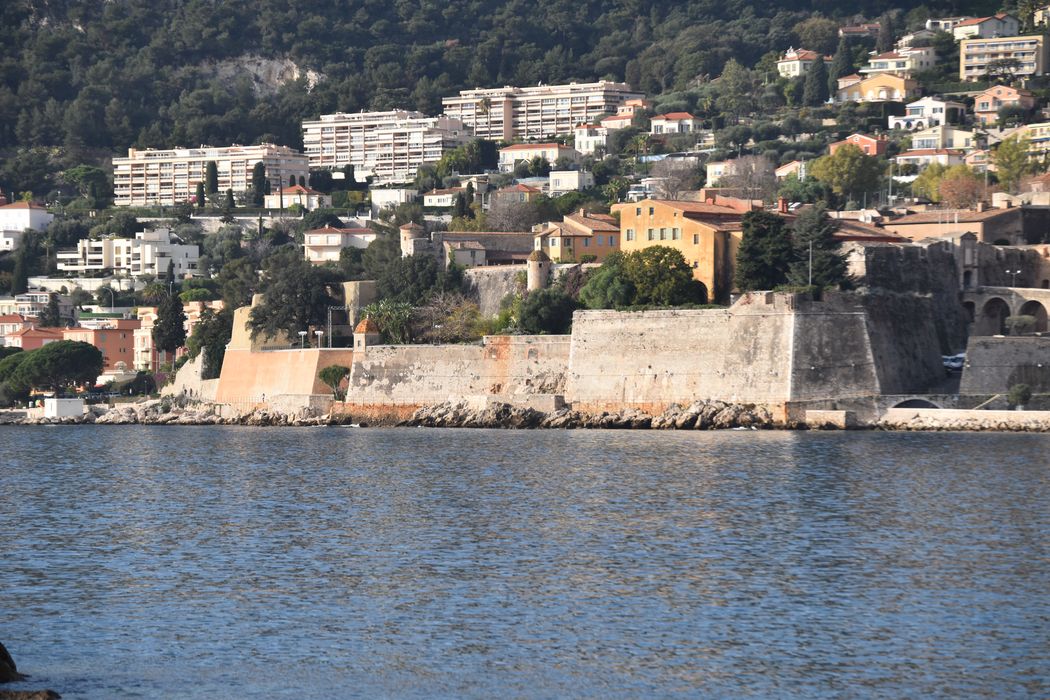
654	358
422	374
250	375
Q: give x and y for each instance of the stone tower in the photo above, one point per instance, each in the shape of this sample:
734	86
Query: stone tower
539	270
366	333
409	233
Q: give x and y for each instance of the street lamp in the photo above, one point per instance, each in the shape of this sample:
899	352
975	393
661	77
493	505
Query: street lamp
302	340
1015	273
318	334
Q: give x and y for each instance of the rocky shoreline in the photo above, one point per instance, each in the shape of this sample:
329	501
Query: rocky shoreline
700	415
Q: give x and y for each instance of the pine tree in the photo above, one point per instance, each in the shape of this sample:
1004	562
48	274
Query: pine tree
765	252
170	275
229	200
211	178
200	195
20	276
815	91
828	269
841	64
469	194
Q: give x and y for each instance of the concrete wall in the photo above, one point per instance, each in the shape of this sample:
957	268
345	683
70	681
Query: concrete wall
993	365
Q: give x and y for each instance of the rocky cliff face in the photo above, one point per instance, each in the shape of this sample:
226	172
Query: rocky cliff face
267	75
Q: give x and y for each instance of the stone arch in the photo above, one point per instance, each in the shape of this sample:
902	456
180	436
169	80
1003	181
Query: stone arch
1036	310
915	403
992	320
705	297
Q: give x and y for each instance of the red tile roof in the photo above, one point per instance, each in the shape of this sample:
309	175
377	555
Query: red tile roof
532	146
24	205
675	116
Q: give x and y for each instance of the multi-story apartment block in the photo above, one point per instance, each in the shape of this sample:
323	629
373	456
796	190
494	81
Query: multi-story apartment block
167	177
512	113
1018	55
148	253
1038	140
986	105
998	25
929	111
389	146
903	61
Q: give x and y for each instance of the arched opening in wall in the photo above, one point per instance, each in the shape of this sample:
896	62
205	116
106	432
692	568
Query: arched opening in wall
992	320
1001	241
971	310
967	279
702	292
916	403
1045	284
1037	311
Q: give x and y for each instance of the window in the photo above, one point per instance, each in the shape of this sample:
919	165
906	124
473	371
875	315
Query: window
676	234
612	240
696	239
637	211
650	211
651	234
554	242
630	234
587	243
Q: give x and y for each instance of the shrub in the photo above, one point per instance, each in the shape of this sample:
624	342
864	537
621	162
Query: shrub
1020	395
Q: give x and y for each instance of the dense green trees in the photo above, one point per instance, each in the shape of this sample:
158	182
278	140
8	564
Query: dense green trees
295	296
655	276
765	252
210	336
817	260
169	332
172	72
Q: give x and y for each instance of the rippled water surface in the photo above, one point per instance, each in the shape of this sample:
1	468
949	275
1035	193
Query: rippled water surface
237	562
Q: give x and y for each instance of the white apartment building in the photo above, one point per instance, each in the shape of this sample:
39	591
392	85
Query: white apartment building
22	215
903	61
997	25
588	138
512	113
148	253
977	56
167	177
389	146
929	111
563	181
321	245
550	152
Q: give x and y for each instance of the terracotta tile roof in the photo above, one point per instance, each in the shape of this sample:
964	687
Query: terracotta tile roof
943	216
24	205
698	208
675	116
929	152
33	330
594	221
518	187
850	230
12	318
981	20
367	325
332	229
532	146
448	190
800	55
298	189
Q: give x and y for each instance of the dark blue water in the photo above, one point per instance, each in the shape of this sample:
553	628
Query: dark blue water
290	563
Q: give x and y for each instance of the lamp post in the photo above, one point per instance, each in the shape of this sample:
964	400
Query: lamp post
318	334
1015	273
302	340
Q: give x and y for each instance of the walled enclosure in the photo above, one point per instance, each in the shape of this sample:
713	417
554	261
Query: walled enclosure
770	349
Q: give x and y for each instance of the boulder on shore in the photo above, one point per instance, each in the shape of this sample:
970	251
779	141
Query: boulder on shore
29	695
8	670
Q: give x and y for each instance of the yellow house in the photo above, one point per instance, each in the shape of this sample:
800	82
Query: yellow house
578	234
707	234
884	87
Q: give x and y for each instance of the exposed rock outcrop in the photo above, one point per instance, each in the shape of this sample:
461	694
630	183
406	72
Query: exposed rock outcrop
8	670
29	695
700	415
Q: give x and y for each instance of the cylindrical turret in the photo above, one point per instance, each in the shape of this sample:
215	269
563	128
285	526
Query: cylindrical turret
410	232
539	270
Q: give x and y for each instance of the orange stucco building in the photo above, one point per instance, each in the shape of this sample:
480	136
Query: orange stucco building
707	234
117	344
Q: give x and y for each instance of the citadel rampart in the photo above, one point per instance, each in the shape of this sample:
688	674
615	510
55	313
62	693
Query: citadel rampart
774	350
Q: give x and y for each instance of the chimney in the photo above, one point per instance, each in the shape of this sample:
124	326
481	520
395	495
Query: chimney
782	205
981	206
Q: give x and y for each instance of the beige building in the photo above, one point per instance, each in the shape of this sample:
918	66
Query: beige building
796	62
589	139
322	245
302	196
512	113
903	61
987	104
884	87
978	56
389	146
550	152
167	177
998	25
943	137
578	234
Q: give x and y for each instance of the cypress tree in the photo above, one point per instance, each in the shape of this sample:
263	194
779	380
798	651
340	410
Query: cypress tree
51	317
20	276
887	33
829	265
765	252
169	331
229	200
200	195
291	180
258	184
841	65
815	90
211	178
